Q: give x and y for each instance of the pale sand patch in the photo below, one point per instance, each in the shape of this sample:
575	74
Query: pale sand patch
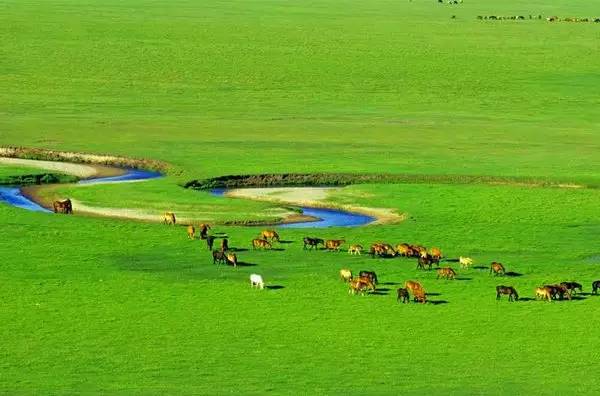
80	170
313	197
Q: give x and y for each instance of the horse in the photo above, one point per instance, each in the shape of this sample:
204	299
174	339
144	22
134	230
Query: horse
65	207
446	272
497	269
465	262
219	257
312	243
169	218
419	295
231	258
191	232
572	286
355	249
413	286
204	230
403	295
424	261
544	293
509	290
595	286
269	234
334	244
345	275
261	244
210	240
224	245
372	276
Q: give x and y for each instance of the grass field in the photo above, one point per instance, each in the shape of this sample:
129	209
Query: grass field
97	305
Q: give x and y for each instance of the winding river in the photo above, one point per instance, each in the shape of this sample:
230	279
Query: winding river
12	195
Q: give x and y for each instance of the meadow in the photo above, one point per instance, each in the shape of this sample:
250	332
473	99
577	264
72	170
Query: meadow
100	305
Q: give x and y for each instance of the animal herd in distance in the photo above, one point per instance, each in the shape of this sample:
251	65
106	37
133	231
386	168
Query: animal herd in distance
538	17
367	281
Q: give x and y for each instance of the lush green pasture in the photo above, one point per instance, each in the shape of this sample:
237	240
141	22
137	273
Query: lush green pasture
135	307
106	306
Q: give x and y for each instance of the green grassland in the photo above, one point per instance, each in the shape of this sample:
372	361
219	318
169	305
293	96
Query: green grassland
95	305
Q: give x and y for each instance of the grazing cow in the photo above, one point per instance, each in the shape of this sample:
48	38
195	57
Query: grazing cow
224	245
261	244
382	250
210	240
543	293
493	17
232	259
522	18
403	295
191	232
169	218
424	261
509	290
334	244
572	286
372	276
269	234
419	295
65	207
345	275
412	286
204	230
595	286
446	272
219	257
497	269
597	20
479	17
313	243
552	19
465	262
257	280
436	253
355	249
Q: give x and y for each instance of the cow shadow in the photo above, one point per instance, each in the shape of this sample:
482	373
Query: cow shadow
274	287
480	267
512	274
578	298
587	294
236	249
463	278
286	242
389	283
433	294
450	260
383	289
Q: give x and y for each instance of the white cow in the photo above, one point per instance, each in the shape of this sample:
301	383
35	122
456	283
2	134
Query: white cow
257	280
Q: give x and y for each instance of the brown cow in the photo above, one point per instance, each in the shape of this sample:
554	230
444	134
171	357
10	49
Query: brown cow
404	250
169	218
595	286
334	244
224	245
424	261
261	244
497	268
508	290
191	231
411	286
446	272
269	234
65	207
419	295
360	285
436	253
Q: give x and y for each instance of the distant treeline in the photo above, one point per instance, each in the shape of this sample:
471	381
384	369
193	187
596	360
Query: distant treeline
42	178
344	179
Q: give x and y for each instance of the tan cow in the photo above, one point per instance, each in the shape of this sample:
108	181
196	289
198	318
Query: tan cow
355	249
334	244
446	272
269	234
345	275
191	231
261	244
465	262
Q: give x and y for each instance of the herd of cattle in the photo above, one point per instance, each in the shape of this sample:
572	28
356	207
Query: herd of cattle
367	281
